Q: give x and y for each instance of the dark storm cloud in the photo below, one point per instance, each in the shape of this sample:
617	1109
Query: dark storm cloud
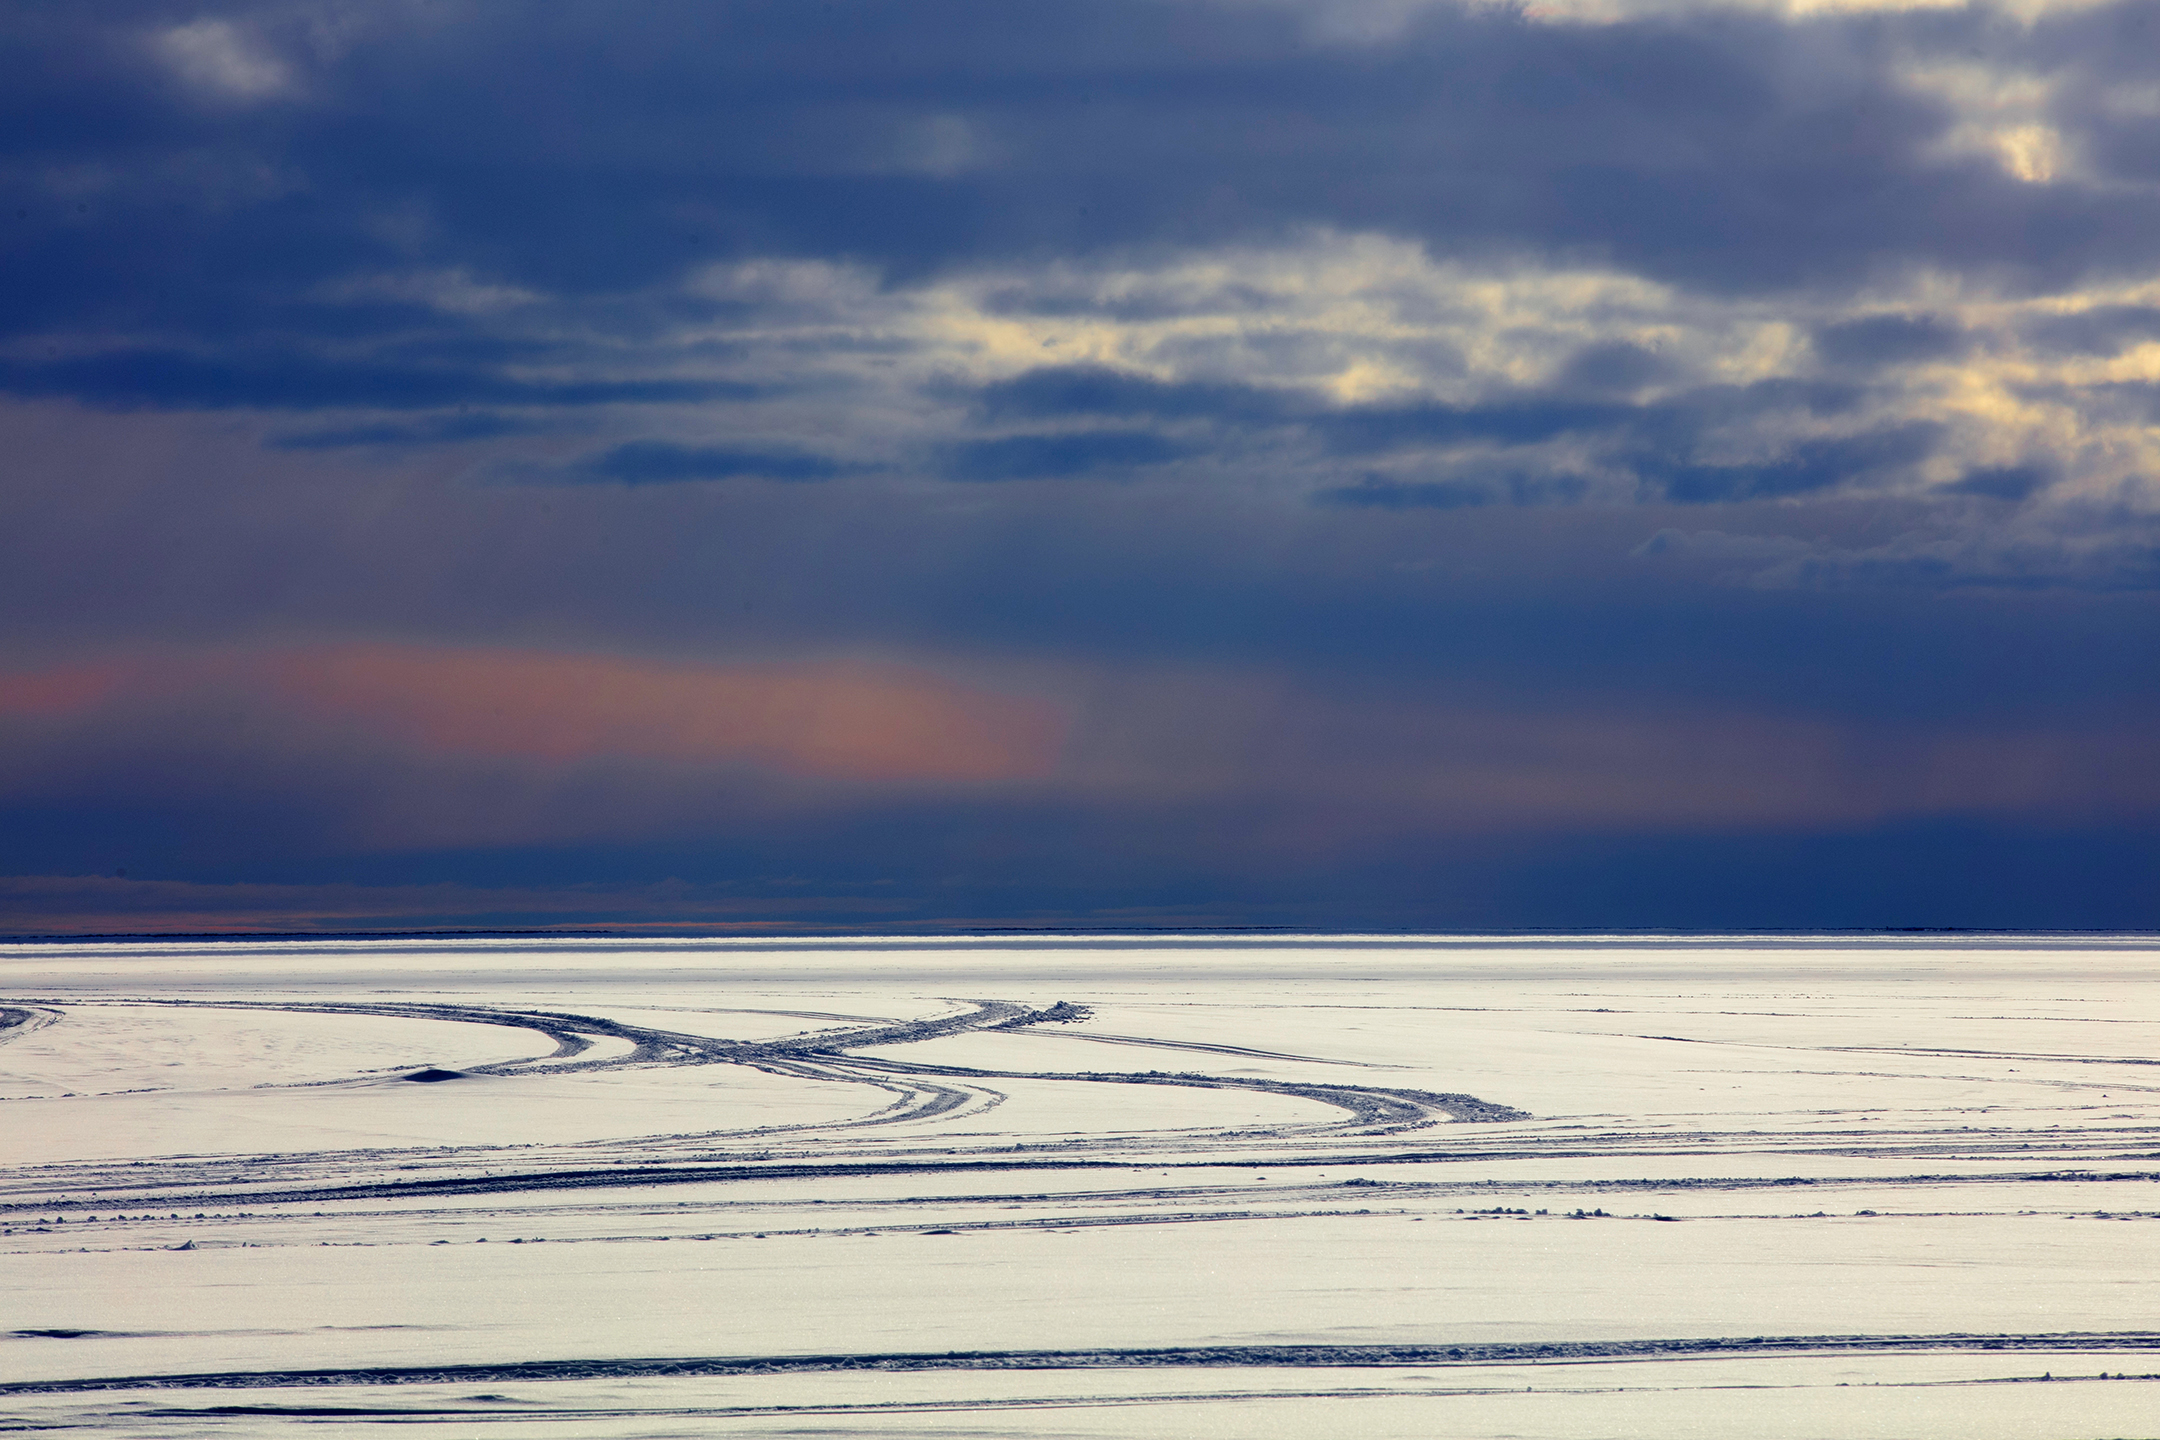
1732	150
310	235
602	149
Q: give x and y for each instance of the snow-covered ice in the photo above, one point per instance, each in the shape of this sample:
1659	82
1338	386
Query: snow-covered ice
1184	1186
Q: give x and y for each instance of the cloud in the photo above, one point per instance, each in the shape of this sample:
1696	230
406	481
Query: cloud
1659	444
1413	321
858	723
2003	482
2098	330
1810	466
2066	547
167	379
1724	152
1612	367
222	60
1369	430
1360	764
1059	455
1890	340
855	723
1065	391
437	430
63	691
100	904
405	748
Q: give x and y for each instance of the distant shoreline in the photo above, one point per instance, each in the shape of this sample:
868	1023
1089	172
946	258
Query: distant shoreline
932	934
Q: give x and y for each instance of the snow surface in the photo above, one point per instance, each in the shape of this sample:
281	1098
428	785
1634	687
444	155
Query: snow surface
1851	1186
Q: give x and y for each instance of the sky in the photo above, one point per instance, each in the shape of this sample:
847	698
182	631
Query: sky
1325	464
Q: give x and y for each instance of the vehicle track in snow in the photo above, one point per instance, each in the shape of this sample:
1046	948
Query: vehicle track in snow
1441	1354
1250	1187
920	1092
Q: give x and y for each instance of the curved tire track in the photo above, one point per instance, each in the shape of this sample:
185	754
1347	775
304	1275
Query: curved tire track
919	1092
822	1055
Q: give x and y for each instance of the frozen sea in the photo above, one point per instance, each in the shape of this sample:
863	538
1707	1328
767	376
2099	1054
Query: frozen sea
1853	1186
